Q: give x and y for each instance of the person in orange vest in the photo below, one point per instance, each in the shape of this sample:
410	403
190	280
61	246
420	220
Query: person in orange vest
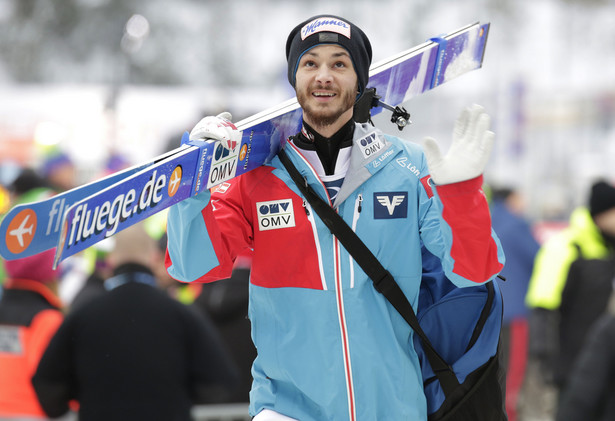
30	314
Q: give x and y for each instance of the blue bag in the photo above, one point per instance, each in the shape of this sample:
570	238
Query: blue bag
463	325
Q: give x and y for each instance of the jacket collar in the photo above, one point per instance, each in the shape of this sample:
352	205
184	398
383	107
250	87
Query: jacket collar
34	286
371	151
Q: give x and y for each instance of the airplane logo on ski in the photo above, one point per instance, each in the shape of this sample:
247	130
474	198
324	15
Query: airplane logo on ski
21	231
174	181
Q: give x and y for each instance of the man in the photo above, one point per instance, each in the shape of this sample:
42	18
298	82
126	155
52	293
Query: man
133	353
520	247
329	345
30	313
589	395
573	268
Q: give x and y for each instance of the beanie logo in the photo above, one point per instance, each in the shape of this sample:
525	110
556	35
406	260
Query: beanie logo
325	25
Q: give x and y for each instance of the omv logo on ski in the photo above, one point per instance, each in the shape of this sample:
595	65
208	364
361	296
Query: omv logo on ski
275	214
223	165
20	231
370	145
390	205
92	218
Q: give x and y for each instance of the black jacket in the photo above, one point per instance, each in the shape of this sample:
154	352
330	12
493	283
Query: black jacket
133	353
590	391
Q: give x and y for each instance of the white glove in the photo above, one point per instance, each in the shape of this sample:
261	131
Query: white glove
217	128
469	152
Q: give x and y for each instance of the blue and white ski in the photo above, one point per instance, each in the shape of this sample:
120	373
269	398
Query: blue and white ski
85	215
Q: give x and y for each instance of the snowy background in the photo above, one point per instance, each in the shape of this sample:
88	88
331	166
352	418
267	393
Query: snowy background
95	77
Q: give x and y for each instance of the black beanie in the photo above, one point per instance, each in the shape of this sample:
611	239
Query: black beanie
329	29
602	198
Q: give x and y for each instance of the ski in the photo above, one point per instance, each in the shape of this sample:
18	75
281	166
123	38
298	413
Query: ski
83	216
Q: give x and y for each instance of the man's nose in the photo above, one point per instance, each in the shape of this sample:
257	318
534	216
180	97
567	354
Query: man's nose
324	74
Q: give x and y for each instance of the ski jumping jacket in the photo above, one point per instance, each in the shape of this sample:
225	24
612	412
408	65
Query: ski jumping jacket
330	347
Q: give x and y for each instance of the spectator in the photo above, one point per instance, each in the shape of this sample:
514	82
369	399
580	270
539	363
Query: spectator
556	334
133	353
93	285
227	304
60	171
30	313
29	186
520	248
589	394
180	291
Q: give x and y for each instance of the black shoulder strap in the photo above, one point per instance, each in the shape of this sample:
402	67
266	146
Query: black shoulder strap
382	279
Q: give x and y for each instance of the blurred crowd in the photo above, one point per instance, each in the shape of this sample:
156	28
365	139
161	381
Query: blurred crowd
557	318
109	335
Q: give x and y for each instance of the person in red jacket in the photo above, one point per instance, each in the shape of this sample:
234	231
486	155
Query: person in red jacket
30	314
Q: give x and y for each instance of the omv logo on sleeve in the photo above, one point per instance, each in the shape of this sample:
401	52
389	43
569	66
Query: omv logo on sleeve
275	214
390	205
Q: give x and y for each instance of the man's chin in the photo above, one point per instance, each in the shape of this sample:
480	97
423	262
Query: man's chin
323	116
322	119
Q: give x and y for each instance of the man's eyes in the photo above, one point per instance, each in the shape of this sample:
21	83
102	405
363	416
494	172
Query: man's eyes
337	64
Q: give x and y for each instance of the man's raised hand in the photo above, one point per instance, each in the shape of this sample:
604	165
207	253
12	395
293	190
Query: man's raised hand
469	152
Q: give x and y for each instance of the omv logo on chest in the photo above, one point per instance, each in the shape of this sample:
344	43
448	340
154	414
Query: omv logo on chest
275	214
391	205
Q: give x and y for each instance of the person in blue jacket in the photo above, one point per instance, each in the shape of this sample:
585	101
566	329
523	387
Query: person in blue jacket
520	246
329	346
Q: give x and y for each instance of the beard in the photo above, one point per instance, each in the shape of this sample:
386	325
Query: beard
322	115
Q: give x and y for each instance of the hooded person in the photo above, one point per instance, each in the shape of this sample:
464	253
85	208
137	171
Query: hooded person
30	314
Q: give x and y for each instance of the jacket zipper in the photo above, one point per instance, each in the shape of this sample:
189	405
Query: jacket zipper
355	219
340	305
310	216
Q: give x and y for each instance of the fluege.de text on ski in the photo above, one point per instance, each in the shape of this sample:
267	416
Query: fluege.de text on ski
107	216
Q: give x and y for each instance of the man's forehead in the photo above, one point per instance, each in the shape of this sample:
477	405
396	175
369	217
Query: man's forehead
328	50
